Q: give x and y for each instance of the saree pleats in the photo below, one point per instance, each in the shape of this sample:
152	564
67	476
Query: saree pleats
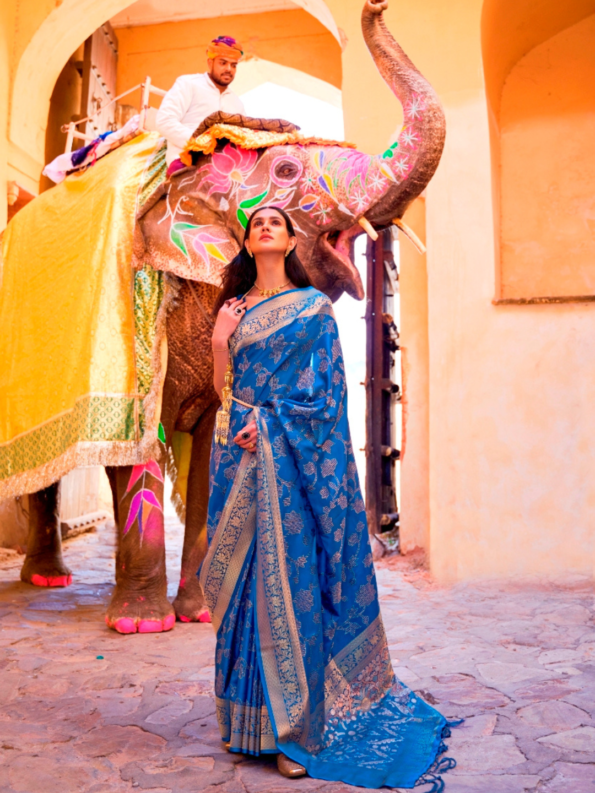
302	662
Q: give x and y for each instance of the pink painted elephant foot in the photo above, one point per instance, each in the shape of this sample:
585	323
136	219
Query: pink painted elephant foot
190	603
134	613
44	571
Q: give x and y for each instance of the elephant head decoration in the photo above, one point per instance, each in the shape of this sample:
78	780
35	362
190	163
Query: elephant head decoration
331	192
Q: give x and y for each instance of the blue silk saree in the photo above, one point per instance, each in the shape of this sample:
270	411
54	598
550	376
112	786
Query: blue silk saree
302	662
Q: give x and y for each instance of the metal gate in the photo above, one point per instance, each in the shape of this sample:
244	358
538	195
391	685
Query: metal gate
382	391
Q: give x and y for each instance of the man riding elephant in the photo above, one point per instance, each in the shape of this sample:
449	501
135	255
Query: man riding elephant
193	97
147	396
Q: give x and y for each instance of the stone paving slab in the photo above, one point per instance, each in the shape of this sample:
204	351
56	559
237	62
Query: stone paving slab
85	709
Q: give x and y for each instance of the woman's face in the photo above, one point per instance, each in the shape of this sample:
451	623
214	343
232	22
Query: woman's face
268	233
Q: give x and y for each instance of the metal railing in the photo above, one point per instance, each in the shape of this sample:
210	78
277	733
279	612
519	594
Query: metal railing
147	88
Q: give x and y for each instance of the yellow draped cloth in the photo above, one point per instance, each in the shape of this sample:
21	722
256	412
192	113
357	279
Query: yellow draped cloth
71	328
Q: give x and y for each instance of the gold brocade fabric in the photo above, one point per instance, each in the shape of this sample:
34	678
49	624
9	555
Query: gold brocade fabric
249	139
71	388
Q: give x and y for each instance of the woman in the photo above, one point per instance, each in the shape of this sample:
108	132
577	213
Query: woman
302	664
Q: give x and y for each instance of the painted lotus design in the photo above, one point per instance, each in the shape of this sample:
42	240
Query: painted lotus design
229	169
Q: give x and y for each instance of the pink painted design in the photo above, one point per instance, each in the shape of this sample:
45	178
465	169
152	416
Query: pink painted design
182	582
169	622
347	179
409	137
203	616
52	580
354	166
205	245
151	467
127	625
282	198
401	166
229	169
415	106
141	506
150	626
123	625
351	181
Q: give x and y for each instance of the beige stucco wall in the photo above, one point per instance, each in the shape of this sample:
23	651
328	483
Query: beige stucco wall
510	394
511	490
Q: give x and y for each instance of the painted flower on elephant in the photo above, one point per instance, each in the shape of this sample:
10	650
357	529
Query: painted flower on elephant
347	179
415	106
228	170
203	241
205	245
409	137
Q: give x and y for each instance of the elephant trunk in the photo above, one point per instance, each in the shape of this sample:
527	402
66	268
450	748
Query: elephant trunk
412	161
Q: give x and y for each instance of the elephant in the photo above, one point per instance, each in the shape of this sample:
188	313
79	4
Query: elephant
191	226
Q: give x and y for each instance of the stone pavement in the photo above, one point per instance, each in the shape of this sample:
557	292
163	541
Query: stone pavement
85	709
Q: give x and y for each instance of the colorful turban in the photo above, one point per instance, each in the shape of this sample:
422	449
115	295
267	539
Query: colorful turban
225	47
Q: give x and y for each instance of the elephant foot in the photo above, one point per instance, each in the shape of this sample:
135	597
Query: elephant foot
45	572
134	613
190	603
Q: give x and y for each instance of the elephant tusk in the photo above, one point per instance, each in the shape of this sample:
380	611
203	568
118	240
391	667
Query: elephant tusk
411	235
368	228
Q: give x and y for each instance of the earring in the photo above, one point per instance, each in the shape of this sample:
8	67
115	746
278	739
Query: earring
288	251
250	254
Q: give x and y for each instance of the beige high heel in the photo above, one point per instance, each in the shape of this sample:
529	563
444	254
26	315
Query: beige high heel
289	768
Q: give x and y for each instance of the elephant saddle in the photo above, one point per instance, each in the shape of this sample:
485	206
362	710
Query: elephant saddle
246	132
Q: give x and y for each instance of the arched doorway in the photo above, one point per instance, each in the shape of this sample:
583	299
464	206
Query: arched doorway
54	41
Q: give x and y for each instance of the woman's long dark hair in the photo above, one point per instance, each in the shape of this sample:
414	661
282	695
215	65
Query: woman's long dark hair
240	273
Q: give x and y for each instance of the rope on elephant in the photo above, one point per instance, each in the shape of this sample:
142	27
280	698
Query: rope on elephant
200	305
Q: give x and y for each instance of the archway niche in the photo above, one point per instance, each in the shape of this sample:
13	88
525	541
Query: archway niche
539	71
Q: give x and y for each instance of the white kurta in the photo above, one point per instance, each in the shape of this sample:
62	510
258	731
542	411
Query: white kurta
192	98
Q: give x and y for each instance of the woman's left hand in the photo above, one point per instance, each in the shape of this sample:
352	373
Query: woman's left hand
246	437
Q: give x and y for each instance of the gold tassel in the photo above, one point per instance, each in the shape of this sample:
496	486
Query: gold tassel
222	421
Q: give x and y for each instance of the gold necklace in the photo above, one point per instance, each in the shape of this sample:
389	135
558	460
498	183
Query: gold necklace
271	292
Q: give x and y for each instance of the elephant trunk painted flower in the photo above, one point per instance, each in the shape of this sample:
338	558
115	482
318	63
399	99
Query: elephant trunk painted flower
327	189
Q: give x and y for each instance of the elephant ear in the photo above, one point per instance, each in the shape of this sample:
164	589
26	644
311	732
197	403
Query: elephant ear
198	252
191	242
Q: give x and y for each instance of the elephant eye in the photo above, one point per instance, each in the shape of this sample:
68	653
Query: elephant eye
286	170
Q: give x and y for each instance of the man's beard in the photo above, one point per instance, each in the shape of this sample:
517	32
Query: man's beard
218	81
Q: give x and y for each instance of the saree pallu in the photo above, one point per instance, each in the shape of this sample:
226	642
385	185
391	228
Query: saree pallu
302	662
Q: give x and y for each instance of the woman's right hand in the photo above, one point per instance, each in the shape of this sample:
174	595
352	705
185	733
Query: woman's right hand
228	318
